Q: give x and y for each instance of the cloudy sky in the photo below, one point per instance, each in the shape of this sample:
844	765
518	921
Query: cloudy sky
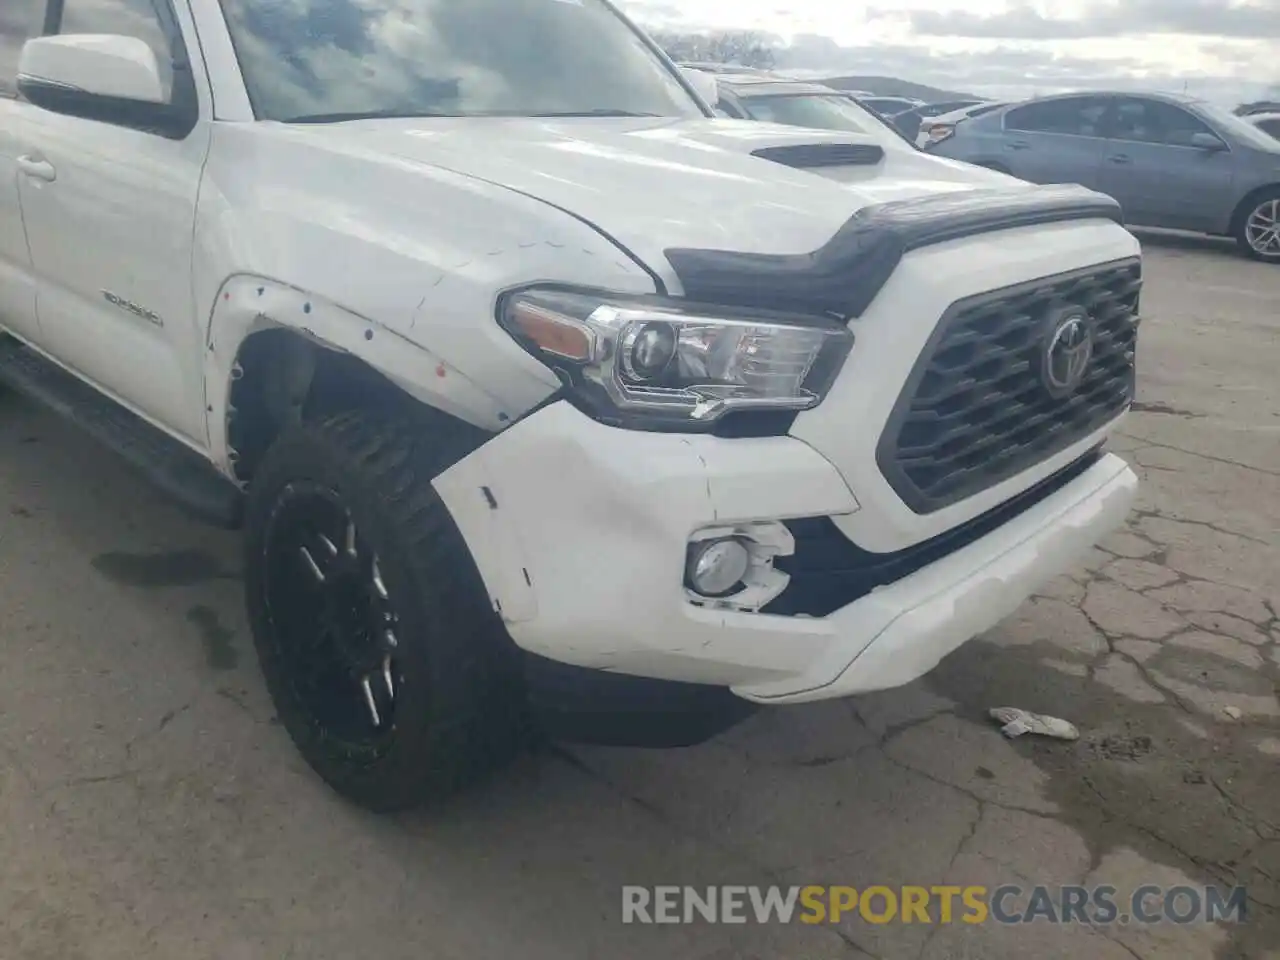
1224	49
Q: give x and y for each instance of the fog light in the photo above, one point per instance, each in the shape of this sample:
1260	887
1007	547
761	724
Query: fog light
717	566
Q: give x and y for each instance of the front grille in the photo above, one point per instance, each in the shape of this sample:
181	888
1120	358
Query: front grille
978	407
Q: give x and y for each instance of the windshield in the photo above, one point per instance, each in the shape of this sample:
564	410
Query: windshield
1241	130
821	111
343	59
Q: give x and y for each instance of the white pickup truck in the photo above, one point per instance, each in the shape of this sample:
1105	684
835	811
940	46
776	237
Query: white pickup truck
546	400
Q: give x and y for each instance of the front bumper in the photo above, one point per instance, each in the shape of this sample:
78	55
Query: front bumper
580	532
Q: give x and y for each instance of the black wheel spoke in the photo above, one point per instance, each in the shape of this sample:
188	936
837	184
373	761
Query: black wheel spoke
378	690
349	539
318	550
390	671
312	564
371	701
388	680
336	624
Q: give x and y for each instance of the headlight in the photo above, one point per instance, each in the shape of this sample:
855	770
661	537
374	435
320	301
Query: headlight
647	360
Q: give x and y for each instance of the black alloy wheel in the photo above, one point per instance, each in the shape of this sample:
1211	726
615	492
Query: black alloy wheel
384	656
335	626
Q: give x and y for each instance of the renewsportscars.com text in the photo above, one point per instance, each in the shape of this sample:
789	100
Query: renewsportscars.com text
1007	904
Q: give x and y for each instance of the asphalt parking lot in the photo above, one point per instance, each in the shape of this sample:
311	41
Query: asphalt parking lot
152	808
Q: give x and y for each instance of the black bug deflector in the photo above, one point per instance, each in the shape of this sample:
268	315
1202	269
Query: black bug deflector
844	275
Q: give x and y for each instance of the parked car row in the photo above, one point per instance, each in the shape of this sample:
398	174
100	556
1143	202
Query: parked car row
889	107
1171	161
792	102
916	122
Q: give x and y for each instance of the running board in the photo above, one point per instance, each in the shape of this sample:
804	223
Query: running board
177	471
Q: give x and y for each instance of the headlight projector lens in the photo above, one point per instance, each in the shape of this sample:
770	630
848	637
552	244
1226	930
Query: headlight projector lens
717	566
648	350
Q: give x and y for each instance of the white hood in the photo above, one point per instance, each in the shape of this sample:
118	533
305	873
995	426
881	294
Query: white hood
652	184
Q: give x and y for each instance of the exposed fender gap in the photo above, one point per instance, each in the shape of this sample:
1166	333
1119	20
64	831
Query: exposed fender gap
546	401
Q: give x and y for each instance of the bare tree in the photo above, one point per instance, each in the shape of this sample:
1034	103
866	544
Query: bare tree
745	48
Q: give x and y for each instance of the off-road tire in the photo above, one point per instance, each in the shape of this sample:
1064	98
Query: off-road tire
461	712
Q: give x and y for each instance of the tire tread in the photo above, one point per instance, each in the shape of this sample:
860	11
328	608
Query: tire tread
477	711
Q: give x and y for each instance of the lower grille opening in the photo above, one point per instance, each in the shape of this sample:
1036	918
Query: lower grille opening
828	571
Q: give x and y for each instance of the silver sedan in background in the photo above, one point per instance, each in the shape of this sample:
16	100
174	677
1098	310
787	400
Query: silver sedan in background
1171	161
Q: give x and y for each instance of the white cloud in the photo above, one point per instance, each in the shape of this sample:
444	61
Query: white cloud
1128	40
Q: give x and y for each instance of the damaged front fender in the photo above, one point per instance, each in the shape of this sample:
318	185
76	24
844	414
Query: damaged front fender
578	528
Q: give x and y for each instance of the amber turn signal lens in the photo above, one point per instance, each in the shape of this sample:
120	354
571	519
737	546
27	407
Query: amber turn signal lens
552	332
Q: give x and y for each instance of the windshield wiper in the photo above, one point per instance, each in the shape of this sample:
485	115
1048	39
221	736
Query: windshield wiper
601	112
364	115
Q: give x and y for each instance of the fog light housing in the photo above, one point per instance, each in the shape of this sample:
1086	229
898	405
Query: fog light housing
716	567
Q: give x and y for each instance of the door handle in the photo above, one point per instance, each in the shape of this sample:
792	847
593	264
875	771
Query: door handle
1018	145
40	169
1120	158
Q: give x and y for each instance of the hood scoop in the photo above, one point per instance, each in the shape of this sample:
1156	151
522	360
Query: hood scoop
809	156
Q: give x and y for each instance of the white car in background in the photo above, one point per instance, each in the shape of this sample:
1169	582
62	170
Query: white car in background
794	103
888	107
933	129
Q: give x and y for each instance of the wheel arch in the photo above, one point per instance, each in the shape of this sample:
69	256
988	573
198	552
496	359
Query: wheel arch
274	352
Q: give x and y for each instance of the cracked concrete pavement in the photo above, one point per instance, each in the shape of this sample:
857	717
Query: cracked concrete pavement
152	807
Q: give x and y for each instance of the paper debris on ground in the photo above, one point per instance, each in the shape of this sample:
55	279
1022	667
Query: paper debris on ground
1015	722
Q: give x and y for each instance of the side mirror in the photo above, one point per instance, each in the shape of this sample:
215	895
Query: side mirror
703	83
105	77
91	65
1207	141
113	79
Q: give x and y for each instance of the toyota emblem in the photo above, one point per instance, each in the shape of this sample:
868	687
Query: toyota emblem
1067	353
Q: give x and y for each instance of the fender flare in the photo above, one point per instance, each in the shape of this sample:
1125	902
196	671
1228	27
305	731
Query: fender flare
246	304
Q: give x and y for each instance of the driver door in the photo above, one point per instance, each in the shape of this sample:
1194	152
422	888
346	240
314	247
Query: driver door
109	212
21	20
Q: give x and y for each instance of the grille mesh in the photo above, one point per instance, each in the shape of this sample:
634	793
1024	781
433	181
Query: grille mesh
976	410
